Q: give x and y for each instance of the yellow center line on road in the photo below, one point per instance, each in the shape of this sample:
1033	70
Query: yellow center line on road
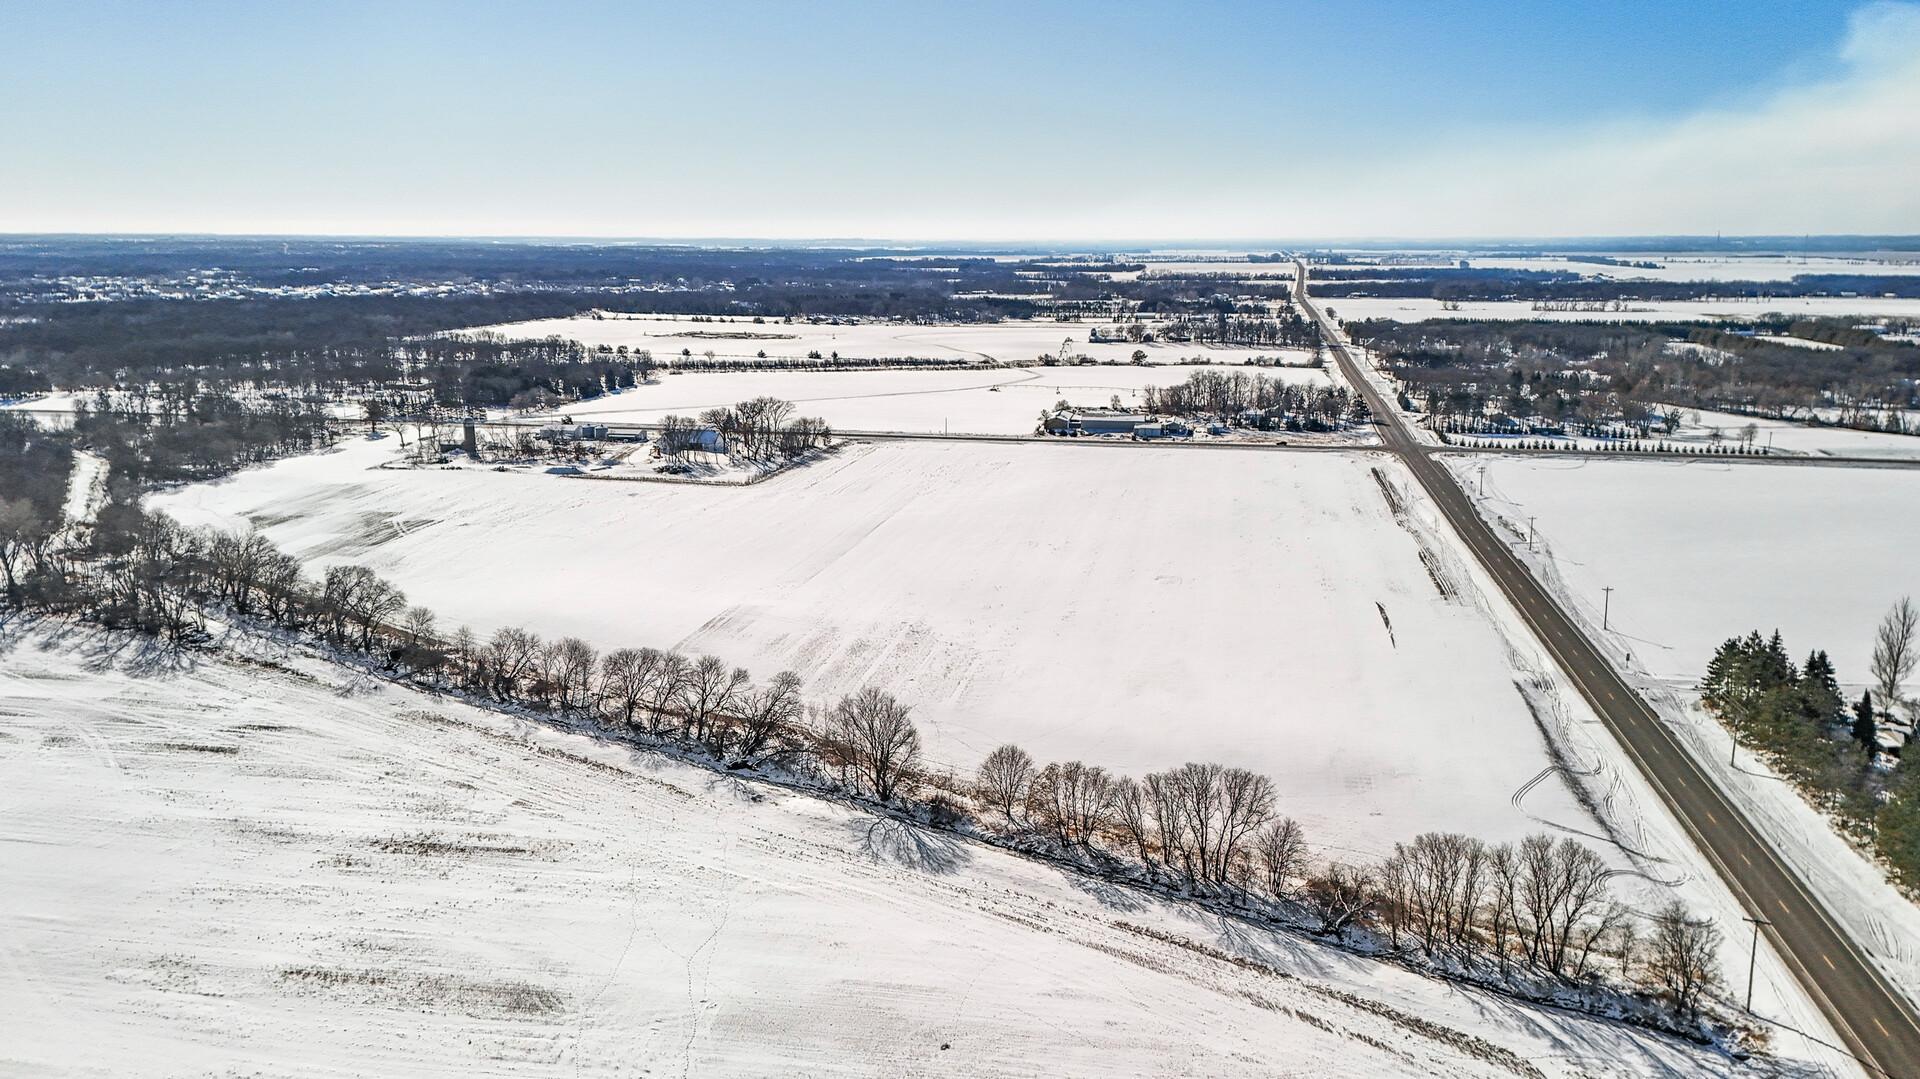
1829	962
1711	817
1883	1030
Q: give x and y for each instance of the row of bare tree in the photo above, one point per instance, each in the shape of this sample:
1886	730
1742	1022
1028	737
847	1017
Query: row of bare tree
1544	904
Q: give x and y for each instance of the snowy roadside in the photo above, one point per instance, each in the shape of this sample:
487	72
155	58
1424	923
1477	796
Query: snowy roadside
1884	923
1637	827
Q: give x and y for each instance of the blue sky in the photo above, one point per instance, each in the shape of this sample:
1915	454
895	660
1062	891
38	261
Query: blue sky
970	121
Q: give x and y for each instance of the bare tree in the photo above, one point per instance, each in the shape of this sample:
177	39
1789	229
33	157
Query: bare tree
767	715
1003	780
509	654
876	740
1893	649
419	624
665	684
1196	789
624	674
22	526
1282	850
1680	959
1168	812
1341	895
1073	799
1134	817
464	650
709	692
1503	876
1558	887
355	595
567	666
236	561
1246	805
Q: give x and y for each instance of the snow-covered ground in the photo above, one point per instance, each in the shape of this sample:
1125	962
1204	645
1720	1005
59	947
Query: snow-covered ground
978	401
1017	342
277	867
1703	430
1416	309
1221	605
1794	438
1700	551
86	488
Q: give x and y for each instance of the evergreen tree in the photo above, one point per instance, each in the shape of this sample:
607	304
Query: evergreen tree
1897	825
1776	669
1726	679
1863	729
1819	690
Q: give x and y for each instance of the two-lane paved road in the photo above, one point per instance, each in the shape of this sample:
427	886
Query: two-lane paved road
1878	1024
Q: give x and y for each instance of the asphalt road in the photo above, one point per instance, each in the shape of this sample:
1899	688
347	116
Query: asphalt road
1879	1025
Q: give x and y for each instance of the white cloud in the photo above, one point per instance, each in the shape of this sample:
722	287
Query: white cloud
1841	154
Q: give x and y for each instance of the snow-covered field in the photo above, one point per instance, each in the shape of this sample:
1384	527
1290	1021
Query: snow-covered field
1223	605
1697	552
1704	430
977	401
279	868
1416	309
1796	438
1018	342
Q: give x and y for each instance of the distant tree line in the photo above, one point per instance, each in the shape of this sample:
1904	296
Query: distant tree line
1289	330
1479	284
1594	372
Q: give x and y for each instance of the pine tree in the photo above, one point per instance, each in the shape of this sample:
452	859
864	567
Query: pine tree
1726	676
1863	729
1819	690
1777	670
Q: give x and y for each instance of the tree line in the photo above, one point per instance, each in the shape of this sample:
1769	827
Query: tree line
1593	372
1228	396
1830	748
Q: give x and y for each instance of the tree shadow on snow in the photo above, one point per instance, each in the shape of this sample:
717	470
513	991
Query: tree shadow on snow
97	649
885	839
1108	894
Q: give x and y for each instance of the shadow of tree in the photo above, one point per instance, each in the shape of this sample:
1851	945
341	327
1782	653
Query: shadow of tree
97	648
888	840
1107	893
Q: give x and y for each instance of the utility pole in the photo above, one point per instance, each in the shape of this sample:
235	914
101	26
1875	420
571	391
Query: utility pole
1606	606
1753	953
1529	532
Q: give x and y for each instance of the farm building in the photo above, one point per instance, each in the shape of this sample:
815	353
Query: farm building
1080	423
572	432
